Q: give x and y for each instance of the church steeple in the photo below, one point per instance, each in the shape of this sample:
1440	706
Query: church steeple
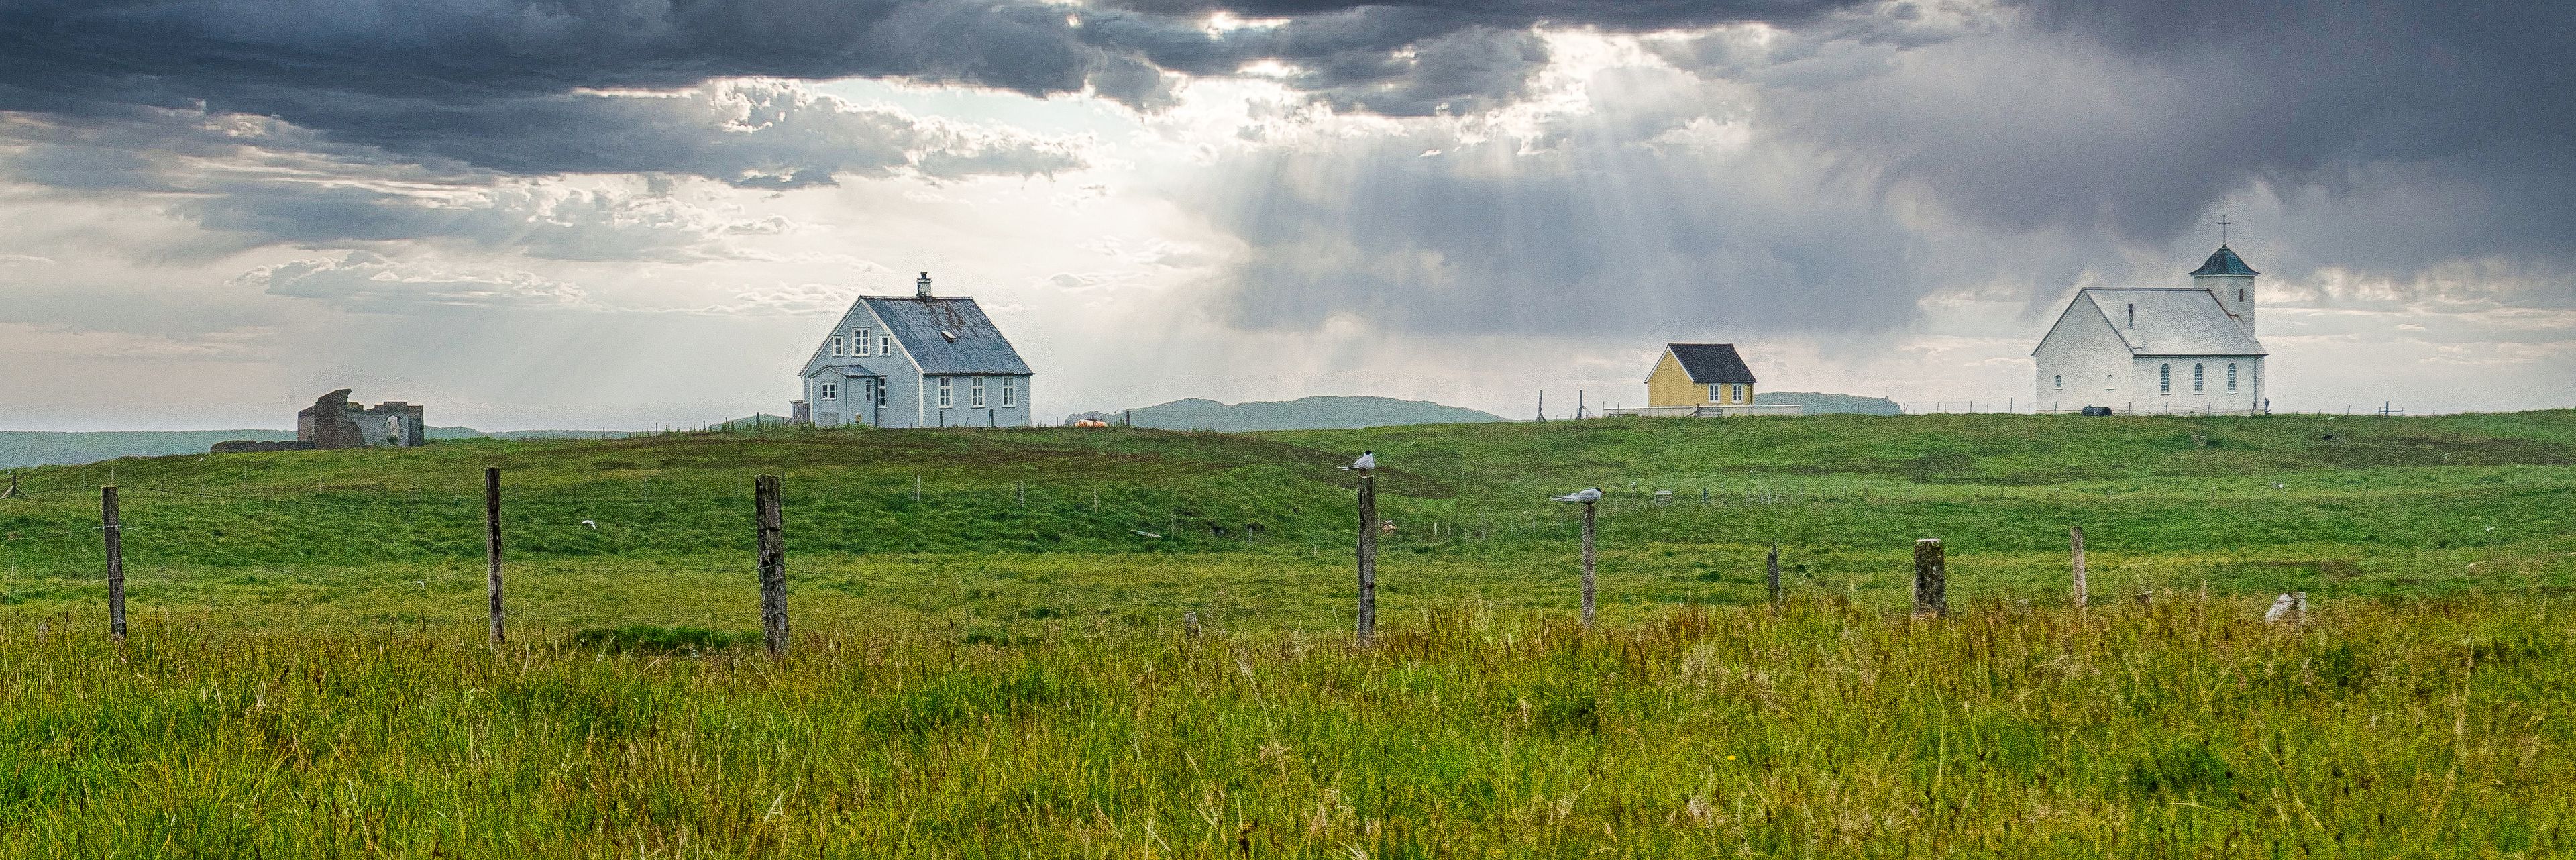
2227	278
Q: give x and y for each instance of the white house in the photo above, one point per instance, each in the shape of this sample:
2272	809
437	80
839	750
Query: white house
915	361
2159	349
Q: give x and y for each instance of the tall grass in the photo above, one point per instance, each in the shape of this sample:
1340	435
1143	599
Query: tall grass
2380	729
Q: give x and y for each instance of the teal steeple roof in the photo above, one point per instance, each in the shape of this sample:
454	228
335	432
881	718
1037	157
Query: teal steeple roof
2224	262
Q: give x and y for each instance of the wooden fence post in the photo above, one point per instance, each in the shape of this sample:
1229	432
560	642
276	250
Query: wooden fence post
773	565
1368	559
114	533
2075	539
1930	579
1587	564
492	544
1771	566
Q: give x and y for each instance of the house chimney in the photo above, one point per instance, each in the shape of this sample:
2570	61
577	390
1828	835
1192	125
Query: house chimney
921	288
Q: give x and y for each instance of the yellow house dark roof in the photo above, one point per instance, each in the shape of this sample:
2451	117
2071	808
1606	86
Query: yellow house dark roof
1711	362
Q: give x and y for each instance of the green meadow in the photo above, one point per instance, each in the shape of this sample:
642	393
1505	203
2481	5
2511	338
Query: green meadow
989	655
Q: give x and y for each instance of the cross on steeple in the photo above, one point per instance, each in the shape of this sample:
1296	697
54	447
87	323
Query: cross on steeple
2222	229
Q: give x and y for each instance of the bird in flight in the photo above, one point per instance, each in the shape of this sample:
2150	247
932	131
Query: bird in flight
1366	463
1586	496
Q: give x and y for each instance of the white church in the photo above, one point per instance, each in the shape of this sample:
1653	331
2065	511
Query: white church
2159	349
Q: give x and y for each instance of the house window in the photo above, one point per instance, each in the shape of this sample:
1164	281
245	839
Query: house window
881	392
1716	393
1010	391
943	392
2231	377
1739	392
859	342
2061	382
975	392
2164	379
2197	379
885	344
829	391
836	344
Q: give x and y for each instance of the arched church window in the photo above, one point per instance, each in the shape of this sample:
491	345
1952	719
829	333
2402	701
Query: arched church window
2061	382
2198	379
2164	379
2231	377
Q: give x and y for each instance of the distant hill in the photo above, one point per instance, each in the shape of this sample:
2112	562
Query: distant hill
21	448
1830	404
1305	413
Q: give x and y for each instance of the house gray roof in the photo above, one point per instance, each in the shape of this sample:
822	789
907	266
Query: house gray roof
2173	322
2225	262
1711	362
947	334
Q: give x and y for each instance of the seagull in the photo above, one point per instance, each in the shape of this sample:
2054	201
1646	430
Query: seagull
593	526
1586	496
2280	608
1366	463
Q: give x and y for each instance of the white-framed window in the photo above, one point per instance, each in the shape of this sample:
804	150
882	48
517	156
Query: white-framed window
1739	392
2231	377
881	392
1010	391
2164	379
944	395
885	344
2199	379
859	342
2110	382
828	391
1716	393
2061	382
975	392
836	345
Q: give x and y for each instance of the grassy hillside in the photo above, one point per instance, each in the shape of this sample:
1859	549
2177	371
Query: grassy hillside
999	667
1013	525
1305	413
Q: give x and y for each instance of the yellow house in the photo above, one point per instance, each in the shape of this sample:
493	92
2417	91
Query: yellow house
1699	374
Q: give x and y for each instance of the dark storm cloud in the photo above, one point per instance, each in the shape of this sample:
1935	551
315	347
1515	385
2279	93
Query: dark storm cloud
2136	118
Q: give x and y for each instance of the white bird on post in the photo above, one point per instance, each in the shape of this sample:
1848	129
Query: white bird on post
1366	463
1585	496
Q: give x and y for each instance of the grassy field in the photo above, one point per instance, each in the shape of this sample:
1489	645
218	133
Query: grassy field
996	666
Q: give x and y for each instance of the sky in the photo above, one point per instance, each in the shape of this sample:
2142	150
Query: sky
621	213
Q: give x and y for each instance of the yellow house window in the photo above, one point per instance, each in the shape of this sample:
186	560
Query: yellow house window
1715	393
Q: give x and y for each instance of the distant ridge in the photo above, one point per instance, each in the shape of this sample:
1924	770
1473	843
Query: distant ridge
1830	404
1305	413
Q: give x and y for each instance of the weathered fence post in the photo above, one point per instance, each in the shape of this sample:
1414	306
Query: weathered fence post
1930	579
1368	559
773	565
2075	540
492	544
114	533
2298	607
1771	566
1587	564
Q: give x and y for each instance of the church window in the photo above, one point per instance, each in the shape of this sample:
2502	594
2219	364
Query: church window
975	392
2240	296
2198	377
836	345
2061	382
829	391
2164	379
1010	391
944	397
2231	377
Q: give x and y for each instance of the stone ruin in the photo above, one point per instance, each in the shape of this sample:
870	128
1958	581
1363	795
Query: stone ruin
332	422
